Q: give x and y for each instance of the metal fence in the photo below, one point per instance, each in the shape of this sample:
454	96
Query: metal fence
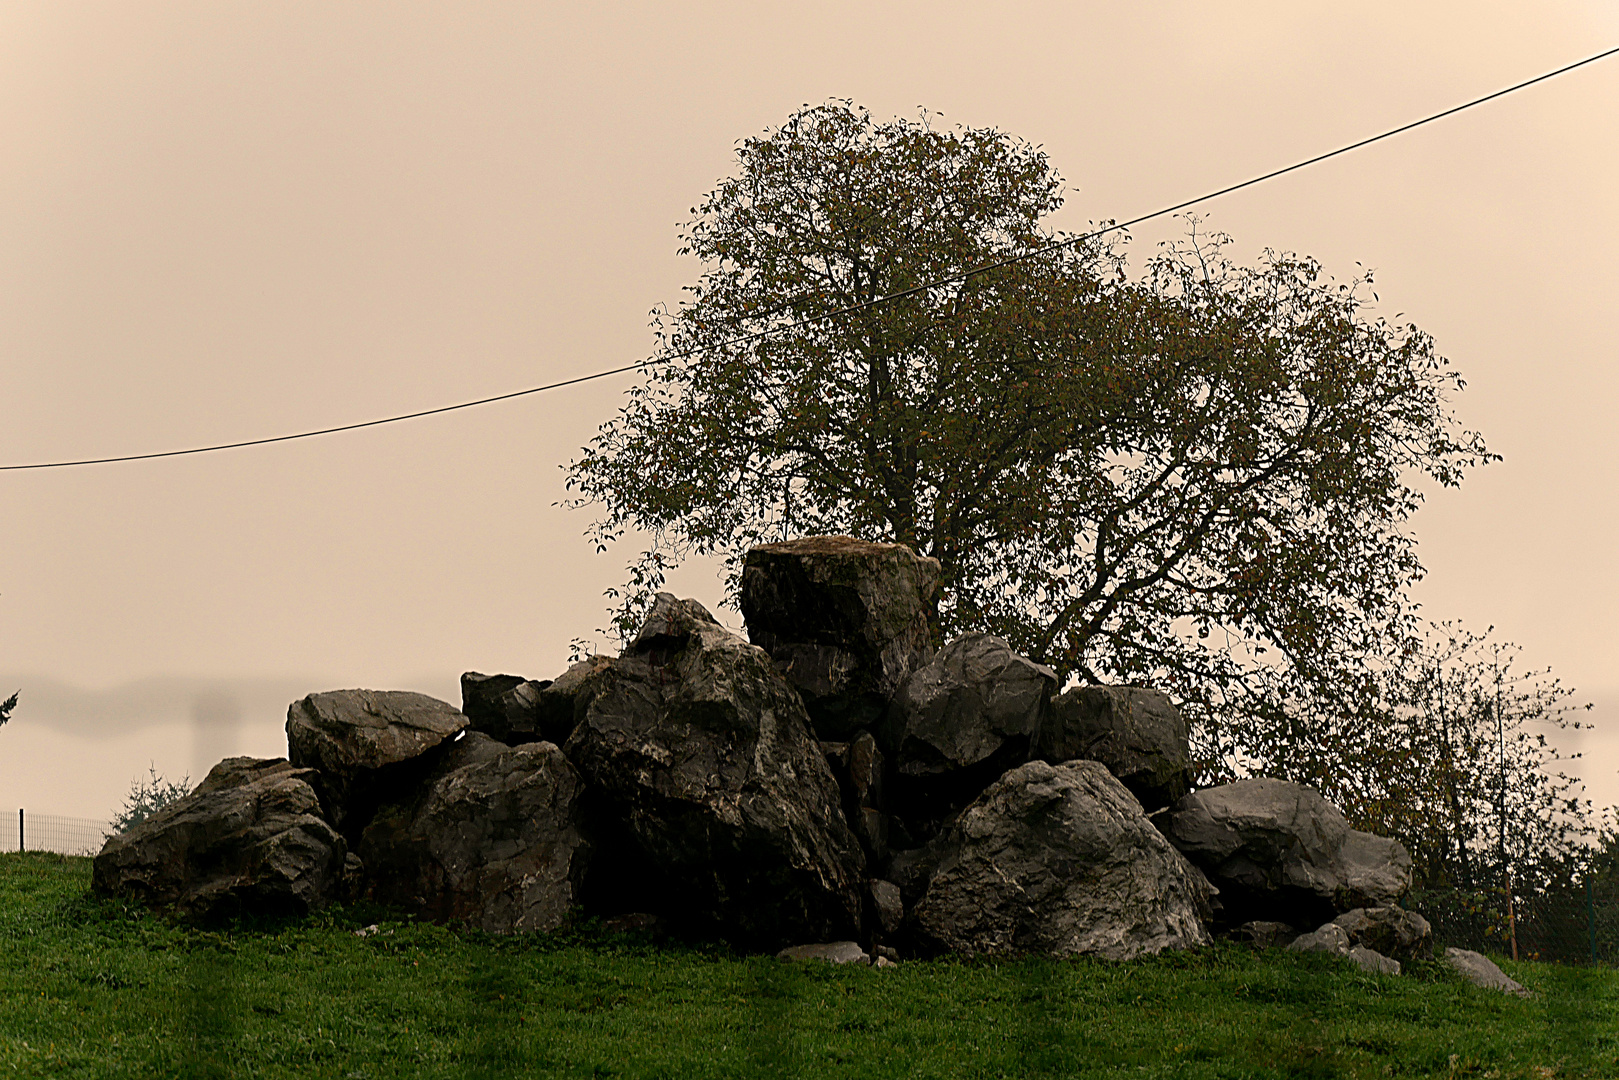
1573	923
24	831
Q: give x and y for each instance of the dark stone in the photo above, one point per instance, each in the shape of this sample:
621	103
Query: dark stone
1391	930
1265	934
959	722
1278	850
249	840
888	907
503	706
365	745
858	768
1059	859
1136	733
495	840
845	620
715	806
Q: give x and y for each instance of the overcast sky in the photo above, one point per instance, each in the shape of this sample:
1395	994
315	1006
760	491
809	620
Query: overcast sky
221	222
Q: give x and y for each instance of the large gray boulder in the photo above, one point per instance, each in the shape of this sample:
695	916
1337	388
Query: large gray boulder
1059	859
1278	850
716	803
496	840
845	620
249	840
959	722
1137	733
366	743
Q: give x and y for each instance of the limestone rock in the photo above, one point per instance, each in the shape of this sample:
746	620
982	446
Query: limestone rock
1060	859
1330	938
1137	733
962	720
1372	961
362	742
1390	930
496	840
1278	850
833	952
887	905
858	768
1265	934
249	840
1481	971
717	805
503	706
845	620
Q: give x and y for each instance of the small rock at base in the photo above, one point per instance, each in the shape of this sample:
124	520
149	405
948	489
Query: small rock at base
1480	970
884	962
636	922
1330	938
886	951
1371	960
1262	934
833	952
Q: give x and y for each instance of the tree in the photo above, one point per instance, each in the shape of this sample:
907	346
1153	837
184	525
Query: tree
6	706
1193	477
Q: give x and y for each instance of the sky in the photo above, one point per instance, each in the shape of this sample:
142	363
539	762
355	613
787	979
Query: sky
221	222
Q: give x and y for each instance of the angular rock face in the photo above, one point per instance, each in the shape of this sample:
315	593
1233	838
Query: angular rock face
360	743
845	620
1136	733
1060	859
248	840
966	717
1390	930
705	768
503	706
1278	850
497	839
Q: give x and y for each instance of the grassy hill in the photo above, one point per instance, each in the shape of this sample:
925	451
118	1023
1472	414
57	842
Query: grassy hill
92	988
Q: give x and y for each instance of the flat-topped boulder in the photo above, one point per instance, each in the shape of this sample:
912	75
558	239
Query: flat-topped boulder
1059	860
1278	850
249	840
845	620
351	738
716	804
1137	733
495	840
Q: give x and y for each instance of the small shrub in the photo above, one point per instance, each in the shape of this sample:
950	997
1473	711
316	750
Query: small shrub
147	797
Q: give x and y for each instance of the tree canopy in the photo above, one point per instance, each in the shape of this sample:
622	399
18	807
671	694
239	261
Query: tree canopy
1194	475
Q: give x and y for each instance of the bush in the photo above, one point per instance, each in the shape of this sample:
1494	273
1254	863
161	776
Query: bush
147	797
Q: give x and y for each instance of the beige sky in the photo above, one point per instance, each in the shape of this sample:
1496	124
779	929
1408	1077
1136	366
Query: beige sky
230	221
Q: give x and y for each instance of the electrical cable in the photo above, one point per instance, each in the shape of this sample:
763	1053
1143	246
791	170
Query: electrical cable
853	308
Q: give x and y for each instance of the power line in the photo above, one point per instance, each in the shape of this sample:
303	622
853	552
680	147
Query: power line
853	308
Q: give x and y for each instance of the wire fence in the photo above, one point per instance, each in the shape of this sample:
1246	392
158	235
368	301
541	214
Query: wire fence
1573	923
24	831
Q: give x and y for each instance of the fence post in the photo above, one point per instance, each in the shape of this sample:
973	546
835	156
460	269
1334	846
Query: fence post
20	848
1591	919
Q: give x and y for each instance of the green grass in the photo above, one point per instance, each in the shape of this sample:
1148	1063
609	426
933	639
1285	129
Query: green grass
93	988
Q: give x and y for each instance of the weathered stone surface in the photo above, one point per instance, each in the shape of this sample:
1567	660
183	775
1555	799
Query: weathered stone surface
833	952
1481	971
858	768
1390	930
718	806
1330	938
845	620
1278	850
249	839
497	839
1370	960
358	741
959	722
887	905
505	707
1059	859
1138	734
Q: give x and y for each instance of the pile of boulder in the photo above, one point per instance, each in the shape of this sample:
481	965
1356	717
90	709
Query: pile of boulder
831	779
